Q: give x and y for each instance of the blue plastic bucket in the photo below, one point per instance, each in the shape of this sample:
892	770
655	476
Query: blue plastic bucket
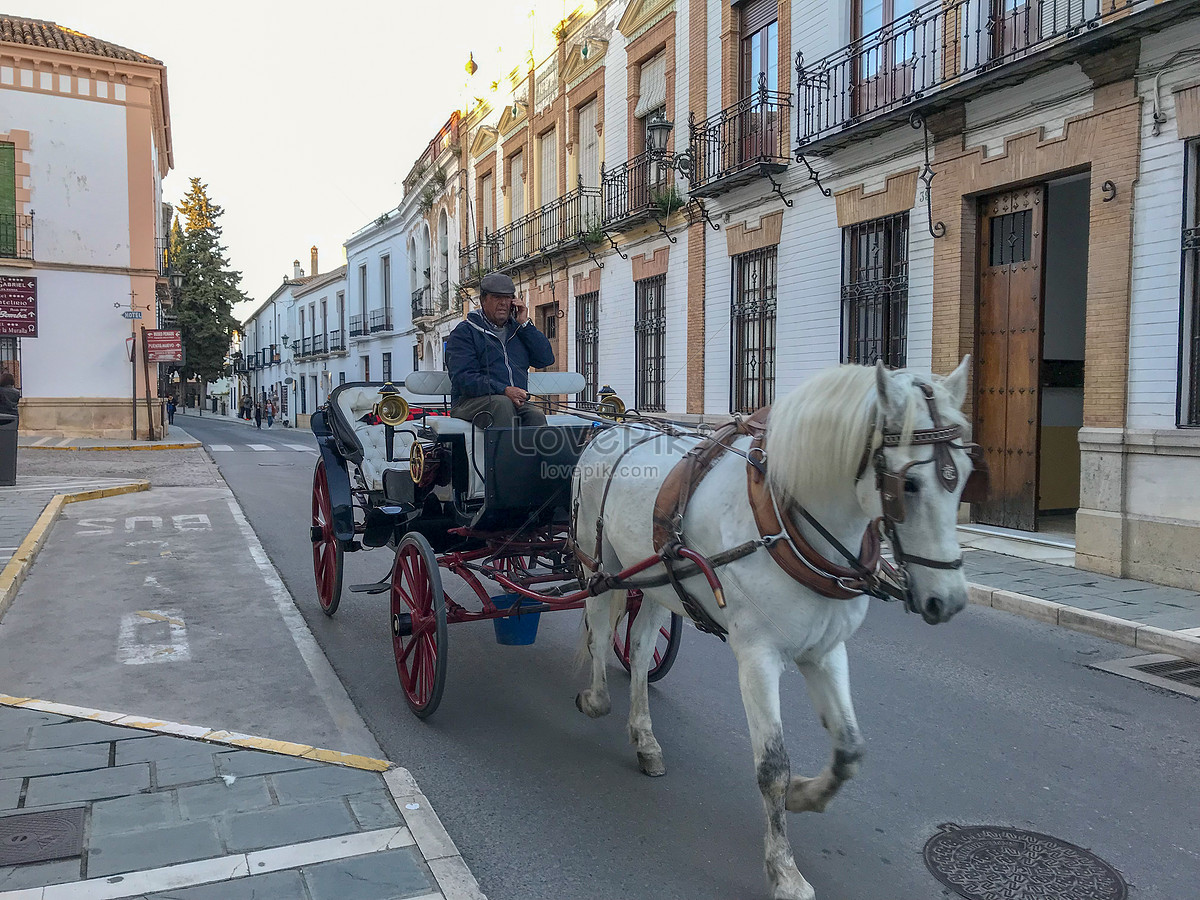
519	629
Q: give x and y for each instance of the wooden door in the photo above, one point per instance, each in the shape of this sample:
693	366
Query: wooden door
1009	349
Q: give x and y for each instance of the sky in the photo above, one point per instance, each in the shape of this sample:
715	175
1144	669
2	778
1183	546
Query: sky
303	118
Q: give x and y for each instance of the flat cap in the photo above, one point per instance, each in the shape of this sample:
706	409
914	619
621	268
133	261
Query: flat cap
497	283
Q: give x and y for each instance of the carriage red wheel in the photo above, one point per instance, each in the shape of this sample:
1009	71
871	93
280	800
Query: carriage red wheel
666	644
419	624
327	549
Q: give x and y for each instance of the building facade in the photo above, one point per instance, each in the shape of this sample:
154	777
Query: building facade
907	183
85	141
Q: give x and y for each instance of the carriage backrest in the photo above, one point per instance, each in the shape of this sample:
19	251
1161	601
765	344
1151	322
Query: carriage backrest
437	384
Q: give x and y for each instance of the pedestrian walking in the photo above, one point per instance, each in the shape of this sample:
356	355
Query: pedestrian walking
10	395
170	410
270	413
258	415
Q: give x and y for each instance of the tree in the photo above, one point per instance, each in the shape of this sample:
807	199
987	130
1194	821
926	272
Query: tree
210	286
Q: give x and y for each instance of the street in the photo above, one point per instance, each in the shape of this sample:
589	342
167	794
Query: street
990	719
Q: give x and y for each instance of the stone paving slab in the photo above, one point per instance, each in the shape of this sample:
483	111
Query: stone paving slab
251	824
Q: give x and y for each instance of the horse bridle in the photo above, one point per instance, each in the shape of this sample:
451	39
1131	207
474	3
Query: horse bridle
890	484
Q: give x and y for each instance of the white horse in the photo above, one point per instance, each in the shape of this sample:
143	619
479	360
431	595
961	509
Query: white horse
818	439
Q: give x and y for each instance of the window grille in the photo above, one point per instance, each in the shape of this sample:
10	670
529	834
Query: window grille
387	367
1189	350
10	357
303	396
587	343
875	291
650	329
753	331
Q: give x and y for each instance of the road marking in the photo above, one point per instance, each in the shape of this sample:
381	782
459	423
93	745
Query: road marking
218	447
301	447
196	522
142	639
41	441
260	447
345	715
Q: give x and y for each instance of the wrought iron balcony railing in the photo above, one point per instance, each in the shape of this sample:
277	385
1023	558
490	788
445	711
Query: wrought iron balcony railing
337	343
552	226
162	249
747	140
422	303
356	326
381	320
939	45
16	236
296	347
306	346
637	188
477	259
320	344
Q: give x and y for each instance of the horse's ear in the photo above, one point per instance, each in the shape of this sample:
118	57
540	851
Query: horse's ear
956	382
881	385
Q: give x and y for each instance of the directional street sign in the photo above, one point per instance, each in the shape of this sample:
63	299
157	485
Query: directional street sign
132	314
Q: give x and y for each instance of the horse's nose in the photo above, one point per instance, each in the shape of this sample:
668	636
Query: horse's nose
933	610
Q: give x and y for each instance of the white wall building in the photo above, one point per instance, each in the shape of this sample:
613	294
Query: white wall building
85	141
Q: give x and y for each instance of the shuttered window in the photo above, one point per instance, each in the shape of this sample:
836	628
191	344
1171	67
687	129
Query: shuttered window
487	198
8	200
652	91
516	187
547	168
589	146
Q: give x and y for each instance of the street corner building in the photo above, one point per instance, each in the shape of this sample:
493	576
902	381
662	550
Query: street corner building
85	141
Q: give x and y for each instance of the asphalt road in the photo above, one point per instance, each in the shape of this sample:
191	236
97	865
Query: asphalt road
988	719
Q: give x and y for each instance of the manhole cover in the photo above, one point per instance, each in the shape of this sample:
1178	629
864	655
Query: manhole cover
991	862
39	836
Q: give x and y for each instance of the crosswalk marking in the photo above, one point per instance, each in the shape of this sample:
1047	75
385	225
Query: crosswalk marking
259	447
219	447
301	447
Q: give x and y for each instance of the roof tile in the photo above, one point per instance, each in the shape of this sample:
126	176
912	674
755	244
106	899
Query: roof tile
42	33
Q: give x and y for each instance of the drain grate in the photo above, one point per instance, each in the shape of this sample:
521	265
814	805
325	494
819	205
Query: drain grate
1168	673
993	862
39	836
1179	670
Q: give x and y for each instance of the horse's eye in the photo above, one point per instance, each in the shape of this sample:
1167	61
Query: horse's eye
911	486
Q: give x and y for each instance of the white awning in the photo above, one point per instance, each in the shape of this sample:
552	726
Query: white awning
652	92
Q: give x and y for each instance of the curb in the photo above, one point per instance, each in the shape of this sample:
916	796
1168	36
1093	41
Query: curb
1111	628
13	575
188	445
438	849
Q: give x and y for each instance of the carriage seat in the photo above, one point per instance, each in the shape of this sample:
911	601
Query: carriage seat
354	403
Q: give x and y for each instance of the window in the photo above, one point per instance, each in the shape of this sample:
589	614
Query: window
341	378
547	168
760	45
366	367
362	291
589	146
386	275
303	396
875	292
516	187
587	338
649	331
548	320
487	199
753	329
10	357
1189	351
416	358
8	200
885	67
387	367
444	262
316	394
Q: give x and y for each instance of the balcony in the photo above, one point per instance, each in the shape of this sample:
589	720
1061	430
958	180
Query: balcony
422	303
296	348
740	144
16	237
636	190
952	50
356	326
381	320
337	343
162	249
477	259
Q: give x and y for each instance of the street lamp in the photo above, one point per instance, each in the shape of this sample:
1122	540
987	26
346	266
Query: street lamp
658	132
176	278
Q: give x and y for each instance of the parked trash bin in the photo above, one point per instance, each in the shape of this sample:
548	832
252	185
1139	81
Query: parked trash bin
8	450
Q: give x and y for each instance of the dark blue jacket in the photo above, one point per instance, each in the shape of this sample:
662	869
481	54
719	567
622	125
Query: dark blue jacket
484	362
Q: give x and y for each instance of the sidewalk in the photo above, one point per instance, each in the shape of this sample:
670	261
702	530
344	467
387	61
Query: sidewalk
187	738
176	439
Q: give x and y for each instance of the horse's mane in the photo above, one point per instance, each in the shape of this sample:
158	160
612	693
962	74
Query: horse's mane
817	434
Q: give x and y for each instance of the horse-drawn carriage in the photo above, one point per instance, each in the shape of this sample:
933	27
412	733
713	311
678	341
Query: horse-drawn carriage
633	519
448	495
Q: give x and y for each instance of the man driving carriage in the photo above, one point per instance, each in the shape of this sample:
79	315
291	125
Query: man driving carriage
489	355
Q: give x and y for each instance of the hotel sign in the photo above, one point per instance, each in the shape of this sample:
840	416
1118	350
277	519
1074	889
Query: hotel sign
18	306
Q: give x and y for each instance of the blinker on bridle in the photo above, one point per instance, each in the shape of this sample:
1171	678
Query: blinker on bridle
890	484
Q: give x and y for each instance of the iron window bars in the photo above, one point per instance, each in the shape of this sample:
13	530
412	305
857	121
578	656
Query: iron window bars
587	343
875	292
650	330
753	329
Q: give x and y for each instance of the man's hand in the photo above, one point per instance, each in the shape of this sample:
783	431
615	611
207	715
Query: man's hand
520	313
516	395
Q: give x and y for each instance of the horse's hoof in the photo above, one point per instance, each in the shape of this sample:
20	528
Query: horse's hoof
586	705
792	892
651	764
